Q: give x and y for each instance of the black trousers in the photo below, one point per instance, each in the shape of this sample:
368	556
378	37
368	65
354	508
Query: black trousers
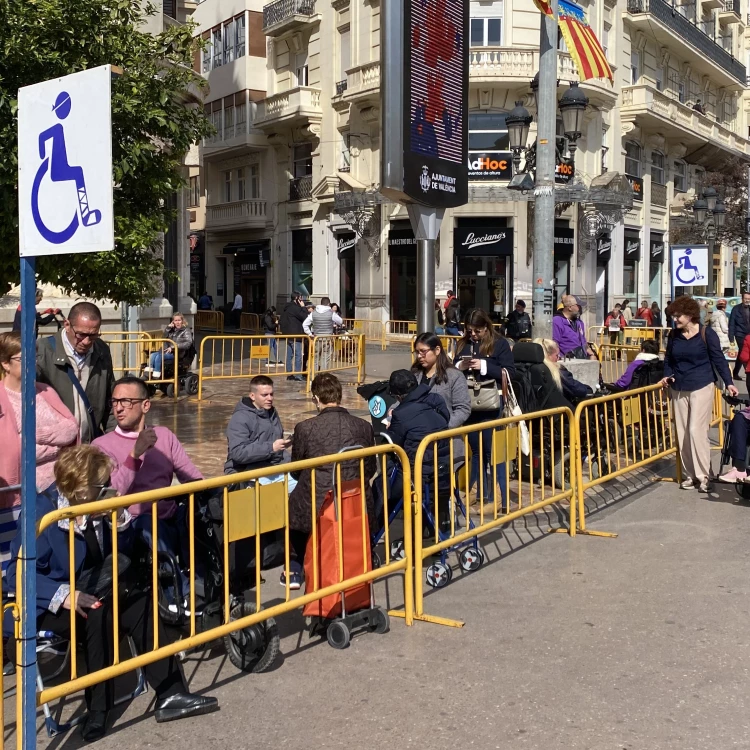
95	633
737	364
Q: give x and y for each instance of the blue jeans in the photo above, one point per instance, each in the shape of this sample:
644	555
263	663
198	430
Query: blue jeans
488	470
294	355
273	348
172	540
157	358
452	331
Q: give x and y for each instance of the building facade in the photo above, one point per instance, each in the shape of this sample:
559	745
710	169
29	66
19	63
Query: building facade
295	98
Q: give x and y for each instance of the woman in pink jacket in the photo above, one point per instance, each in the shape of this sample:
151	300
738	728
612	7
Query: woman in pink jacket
56	427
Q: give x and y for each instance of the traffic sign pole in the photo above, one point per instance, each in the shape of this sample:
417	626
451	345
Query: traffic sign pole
28	503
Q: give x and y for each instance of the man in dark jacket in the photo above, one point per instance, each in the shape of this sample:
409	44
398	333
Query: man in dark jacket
292	318
329	432
519	323
78	365
739	327
255	437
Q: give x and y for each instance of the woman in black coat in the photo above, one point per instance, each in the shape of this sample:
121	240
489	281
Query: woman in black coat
483	353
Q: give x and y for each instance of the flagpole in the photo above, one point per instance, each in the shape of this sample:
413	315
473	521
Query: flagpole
544	195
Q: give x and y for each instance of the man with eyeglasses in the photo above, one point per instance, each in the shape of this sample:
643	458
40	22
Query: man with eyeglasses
78	365
148	458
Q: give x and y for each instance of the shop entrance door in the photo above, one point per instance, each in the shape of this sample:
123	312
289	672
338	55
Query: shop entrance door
484	281
403	287
253	291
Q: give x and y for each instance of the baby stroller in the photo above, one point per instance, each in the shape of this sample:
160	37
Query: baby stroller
254	648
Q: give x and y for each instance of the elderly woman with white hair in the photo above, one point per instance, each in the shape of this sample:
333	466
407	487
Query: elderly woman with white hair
572	389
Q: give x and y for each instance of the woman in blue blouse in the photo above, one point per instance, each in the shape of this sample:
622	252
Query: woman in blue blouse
693	355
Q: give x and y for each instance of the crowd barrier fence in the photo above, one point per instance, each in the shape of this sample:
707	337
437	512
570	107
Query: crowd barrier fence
373	330
209	320
337	353
251	323
628	336
246	514
400	330
615	359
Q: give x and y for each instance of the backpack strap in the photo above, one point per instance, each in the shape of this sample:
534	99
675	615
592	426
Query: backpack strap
95	431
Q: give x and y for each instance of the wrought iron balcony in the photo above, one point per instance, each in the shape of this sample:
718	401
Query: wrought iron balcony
684	31
300	188
284	15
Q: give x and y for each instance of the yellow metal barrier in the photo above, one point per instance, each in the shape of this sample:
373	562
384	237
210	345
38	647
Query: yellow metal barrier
615	360
544	477
136	351
246	514
336	353
373	330
620	433
628	336
251	323
209	320
400	330
244	357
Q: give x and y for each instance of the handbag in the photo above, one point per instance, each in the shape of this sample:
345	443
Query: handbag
718	380
483	394
512	409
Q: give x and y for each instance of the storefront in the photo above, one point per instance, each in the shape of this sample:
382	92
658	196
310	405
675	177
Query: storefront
402	259
302	254
345	246
603	256
563	252
483	250
251	261
632	256
657	254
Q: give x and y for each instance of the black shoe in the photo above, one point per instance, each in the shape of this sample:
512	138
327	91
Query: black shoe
290	377
298	378
94	726
182	705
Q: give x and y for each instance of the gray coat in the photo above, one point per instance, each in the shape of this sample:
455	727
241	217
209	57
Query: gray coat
250	437
51	368
455	393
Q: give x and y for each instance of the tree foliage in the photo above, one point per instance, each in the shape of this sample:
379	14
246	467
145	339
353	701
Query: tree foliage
155	120
731	185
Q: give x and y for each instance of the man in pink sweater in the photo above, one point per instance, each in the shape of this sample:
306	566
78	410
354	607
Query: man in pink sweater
148	458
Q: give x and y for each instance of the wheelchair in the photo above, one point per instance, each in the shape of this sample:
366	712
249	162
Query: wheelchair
187	380
254	648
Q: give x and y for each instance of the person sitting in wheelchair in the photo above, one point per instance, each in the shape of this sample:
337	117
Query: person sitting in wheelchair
83	474
572	390
178	331
649	353
739	439
148	458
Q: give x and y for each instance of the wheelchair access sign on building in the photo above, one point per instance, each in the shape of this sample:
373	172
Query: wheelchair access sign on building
689	265
65	165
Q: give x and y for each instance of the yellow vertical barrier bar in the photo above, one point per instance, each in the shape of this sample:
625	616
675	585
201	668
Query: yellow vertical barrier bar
506	504
531	462
367	564
314	535
73	598
493	473
258	557
553	439
602	472
226	554
115	590
191	560
480	469
576	499
452	497
339	523
155	570
418	522
541	453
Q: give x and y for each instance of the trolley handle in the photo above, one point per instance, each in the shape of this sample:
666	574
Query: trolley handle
736	400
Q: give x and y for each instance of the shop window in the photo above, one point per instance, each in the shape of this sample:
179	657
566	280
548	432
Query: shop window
488	132
632	159
629	276
302	261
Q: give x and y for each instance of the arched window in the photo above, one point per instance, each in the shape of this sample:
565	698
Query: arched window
632	159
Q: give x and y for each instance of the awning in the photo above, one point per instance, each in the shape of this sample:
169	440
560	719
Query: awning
256	252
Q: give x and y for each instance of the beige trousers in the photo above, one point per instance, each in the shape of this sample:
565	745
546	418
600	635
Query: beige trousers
692	416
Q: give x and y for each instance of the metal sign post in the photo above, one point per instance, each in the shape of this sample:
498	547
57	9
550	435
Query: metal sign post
64	206
424	156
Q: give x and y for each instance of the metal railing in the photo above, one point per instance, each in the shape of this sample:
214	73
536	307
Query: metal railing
658	194
209	320
337	353
251	323
300	188
282	10
373	330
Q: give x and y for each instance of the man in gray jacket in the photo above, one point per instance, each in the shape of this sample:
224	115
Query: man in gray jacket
320	323
254	434
78	365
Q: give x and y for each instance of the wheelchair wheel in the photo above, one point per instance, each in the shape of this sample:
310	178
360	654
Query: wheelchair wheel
191	385
170	390
255	648
561	472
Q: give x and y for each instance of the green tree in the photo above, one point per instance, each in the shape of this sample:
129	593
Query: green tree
156	117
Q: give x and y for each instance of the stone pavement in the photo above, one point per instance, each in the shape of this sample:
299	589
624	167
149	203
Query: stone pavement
636	643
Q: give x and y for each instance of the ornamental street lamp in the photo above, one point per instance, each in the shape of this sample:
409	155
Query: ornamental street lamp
518	121
573	105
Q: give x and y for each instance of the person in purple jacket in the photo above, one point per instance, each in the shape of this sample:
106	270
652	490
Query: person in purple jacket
569	332
649	353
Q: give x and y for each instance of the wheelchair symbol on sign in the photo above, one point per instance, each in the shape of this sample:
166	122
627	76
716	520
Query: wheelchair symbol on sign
56	164
687	274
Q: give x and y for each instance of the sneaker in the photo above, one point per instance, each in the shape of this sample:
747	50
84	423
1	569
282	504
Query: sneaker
147	370
156	375
296	579
732	476
175	611
705	486
687	484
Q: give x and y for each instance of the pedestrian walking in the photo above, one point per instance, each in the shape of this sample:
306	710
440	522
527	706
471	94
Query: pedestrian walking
692	362
270	322
720	324
237	310
739	328
292	317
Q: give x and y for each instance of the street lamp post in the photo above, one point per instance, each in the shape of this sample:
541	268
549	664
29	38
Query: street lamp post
573	104
710	212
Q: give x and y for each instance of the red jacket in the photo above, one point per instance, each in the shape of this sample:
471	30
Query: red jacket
644	313
745	353
610	317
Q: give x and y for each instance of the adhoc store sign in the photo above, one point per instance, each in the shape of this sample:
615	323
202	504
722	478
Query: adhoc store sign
498	166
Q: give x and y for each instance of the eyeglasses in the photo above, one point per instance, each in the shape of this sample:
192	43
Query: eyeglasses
125	402
16	358
83	335
422	352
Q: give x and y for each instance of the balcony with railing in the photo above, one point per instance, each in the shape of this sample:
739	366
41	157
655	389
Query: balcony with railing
247	214
657	112
363	83
296	107
664	22
283	16
300	188
658	194
730	12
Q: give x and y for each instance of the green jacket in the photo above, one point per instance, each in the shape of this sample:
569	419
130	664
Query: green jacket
52	364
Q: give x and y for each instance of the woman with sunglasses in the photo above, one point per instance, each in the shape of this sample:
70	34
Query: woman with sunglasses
432	365
483	353
56	427
82	475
